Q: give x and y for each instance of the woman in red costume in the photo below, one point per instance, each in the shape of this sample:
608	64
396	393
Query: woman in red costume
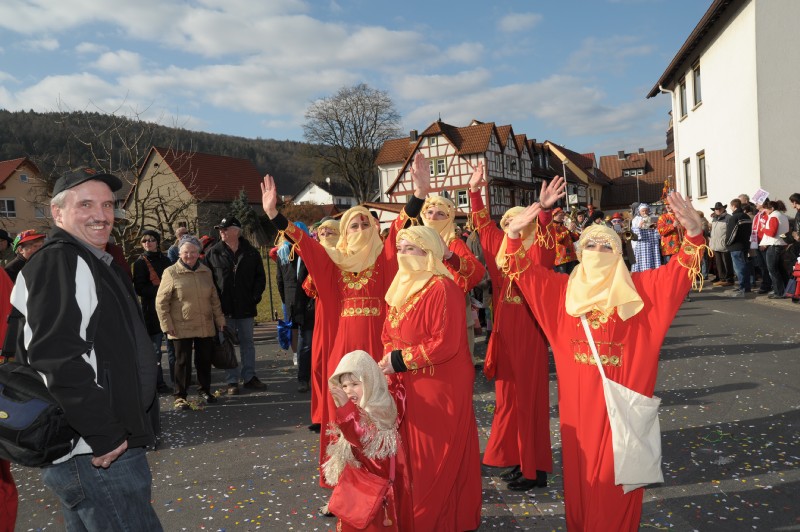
367	437
629	315
8	489
439	214
426	346
324	328
352	279
517	353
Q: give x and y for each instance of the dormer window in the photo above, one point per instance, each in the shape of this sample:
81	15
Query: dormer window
23	178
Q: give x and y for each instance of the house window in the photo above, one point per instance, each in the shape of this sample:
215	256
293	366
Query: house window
462	199
432	141
701	174
8	208
441	167
40	211
687	177
698	94
23	178
512	166
640	171
682	98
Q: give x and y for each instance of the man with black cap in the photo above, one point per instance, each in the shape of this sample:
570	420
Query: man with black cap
84	331
240	280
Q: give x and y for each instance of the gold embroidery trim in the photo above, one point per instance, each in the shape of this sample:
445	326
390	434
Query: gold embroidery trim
514	300
357	281
465	267
693	253
605	360
481	219
395	314
360	312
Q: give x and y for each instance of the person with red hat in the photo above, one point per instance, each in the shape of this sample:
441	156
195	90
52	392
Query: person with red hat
24	245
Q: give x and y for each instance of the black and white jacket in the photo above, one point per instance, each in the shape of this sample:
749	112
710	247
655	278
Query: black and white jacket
104	389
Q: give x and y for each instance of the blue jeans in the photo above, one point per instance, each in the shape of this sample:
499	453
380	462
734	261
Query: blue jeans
742	268
247	350
92	498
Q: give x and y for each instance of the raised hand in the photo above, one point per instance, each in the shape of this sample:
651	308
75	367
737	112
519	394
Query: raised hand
685	213
478	178
339	397
523	219
552	191
269	197
421	176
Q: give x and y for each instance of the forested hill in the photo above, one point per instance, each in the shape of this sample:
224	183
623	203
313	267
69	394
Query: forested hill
53	142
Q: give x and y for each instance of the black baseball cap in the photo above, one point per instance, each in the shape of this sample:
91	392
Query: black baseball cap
82	175
228	221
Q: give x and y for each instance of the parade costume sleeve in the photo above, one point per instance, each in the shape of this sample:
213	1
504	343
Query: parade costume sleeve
467	270
490	235
316	259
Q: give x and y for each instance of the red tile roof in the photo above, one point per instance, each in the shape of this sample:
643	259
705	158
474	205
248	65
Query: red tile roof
395	151
623	189
214	178
7	168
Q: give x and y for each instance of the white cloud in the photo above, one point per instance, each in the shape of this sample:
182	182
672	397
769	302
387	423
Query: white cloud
421	87
90	48
121	61
468	52
610	56
47	45
516	22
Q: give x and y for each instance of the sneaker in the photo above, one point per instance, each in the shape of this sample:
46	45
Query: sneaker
209	398
255	384
233	389
302	387
764	290
181	404
775	296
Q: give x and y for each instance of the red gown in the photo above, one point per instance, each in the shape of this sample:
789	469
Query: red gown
517	358
355	300
324	333
629	352
438	427
400	510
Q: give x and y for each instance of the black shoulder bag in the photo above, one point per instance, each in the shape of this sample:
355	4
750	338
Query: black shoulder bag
33	427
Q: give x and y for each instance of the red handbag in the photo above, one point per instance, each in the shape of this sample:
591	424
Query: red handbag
359	495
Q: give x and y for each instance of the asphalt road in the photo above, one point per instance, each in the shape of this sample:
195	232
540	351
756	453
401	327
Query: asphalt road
730	417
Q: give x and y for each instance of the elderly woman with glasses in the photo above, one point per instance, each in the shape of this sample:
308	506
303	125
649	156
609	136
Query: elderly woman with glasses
190	313
629	315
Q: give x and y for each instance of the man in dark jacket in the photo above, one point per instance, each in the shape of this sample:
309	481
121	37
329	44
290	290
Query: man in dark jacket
84	333
147	272
240	280
737	237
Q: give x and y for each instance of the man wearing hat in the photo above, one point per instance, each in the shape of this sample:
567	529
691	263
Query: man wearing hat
84	331
722	258
240	280
25	245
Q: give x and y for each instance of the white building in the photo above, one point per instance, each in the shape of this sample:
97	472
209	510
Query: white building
733	86
328	193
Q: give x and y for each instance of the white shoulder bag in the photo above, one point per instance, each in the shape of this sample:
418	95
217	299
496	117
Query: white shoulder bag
635	430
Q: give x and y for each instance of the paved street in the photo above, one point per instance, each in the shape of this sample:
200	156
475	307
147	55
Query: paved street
730	417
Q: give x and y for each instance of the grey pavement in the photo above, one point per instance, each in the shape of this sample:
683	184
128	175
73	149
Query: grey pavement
730	418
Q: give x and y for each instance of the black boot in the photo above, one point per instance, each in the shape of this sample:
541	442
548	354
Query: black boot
525	484
511	475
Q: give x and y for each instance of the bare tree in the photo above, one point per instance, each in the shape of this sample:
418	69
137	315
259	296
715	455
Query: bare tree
121	148
347	130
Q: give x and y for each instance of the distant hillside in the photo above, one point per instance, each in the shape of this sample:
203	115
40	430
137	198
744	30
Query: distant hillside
46	139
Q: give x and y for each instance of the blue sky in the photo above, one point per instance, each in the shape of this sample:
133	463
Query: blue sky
574	72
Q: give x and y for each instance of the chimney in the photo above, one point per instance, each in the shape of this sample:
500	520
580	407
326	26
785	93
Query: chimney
413	135
641	150
621	155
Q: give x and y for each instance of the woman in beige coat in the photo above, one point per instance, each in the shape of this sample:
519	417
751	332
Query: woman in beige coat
190	313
